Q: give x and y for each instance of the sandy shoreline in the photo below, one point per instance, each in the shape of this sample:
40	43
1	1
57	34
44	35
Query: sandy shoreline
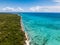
27	40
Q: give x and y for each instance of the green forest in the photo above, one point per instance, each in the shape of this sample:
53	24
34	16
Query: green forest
10	30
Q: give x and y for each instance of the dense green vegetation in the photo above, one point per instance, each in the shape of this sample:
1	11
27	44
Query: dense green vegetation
10	30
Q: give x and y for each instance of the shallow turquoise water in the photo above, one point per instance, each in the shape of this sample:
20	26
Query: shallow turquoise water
42	28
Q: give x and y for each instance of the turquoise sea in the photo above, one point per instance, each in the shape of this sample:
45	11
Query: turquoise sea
42	28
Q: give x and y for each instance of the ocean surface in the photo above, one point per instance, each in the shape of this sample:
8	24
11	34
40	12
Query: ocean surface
42	28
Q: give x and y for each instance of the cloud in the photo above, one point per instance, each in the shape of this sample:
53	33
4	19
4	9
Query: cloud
10	9
32	9
51	8
58	1
45	9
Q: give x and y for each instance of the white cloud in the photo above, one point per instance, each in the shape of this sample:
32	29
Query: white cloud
58	1
45	9
55	8
19	9
10	9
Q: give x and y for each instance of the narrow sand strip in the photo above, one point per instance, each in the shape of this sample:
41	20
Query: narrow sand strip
27	40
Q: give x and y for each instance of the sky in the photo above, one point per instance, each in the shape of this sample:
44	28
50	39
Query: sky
29	5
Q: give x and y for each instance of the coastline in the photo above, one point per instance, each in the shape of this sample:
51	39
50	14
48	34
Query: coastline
27	42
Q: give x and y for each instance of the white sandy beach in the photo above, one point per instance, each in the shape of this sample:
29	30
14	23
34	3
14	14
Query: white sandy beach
27	39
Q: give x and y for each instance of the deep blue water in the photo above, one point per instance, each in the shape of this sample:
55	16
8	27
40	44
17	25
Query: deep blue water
42	28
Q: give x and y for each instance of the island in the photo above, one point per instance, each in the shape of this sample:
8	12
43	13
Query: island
11	32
